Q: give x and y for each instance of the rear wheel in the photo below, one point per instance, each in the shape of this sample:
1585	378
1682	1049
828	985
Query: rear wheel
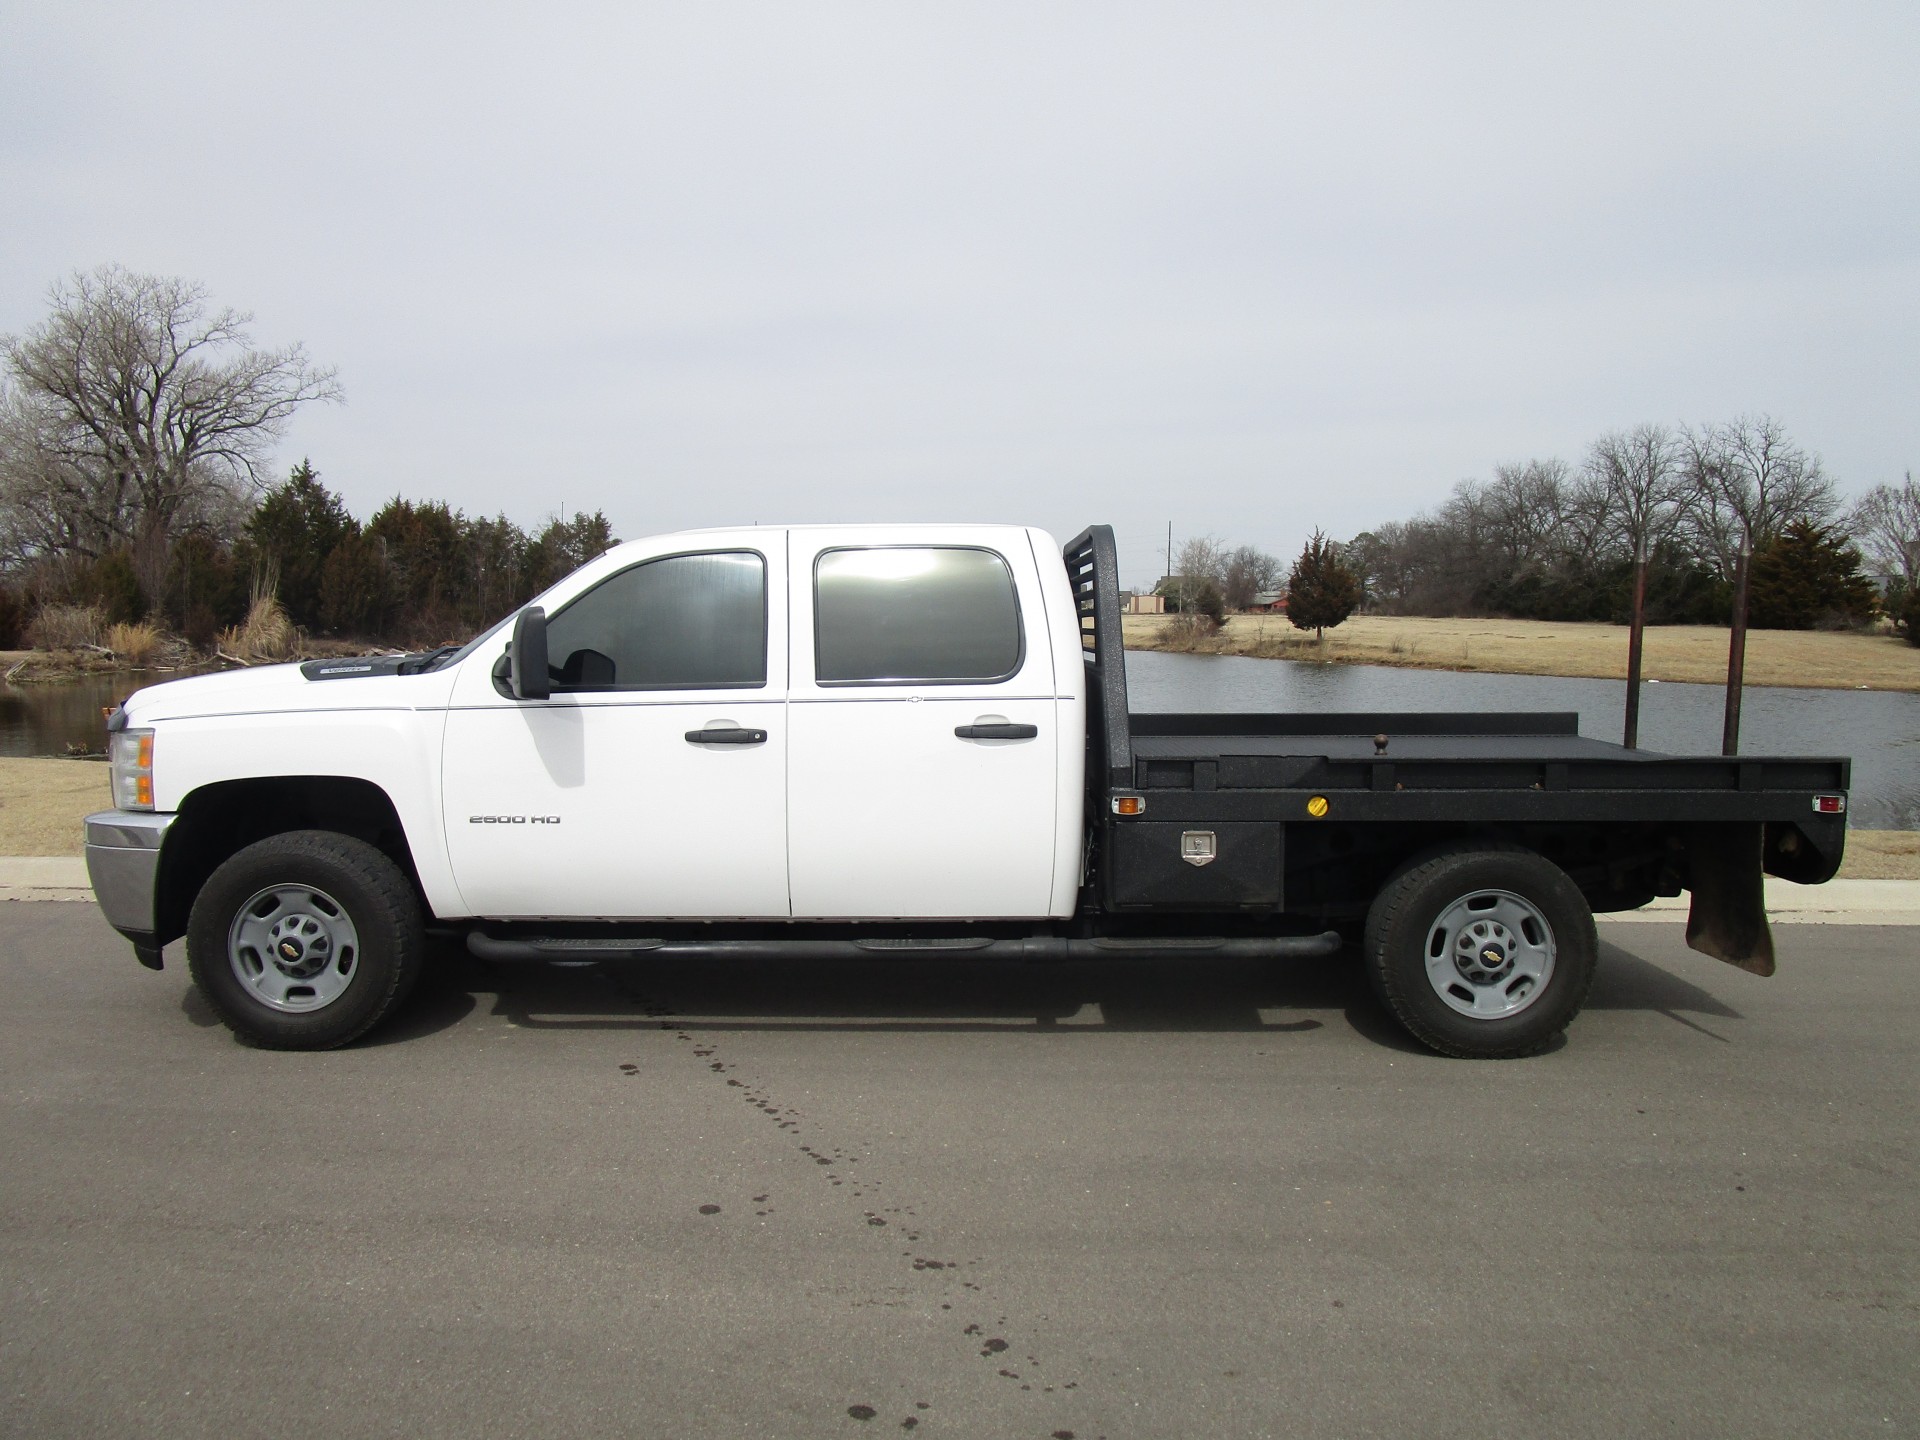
1484	953
305	940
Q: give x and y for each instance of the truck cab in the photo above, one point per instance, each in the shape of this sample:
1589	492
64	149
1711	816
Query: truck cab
812	723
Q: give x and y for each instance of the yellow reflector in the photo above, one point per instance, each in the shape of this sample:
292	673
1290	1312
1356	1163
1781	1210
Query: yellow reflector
1317	806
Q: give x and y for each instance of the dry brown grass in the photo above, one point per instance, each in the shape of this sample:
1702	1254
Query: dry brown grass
266	633
136	643
42	803
65	627
1882	855
1697	653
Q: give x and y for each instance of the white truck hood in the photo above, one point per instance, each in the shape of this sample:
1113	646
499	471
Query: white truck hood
285	689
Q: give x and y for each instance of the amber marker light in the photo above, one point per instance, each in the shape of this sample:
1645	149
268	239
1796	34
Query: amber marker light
1129	805
1317	807
130	769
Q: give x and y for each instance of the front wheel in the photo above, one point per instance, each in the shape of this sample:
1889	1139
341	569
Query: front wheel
304	941
1484	953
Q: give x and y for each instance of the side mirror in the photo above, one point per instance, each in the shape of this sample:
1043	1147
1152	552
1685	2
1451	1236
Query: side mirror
527	672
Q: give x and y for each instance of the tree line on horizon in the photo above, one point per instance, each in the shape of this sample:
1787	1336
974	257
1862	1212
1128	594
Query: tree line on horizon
1545	540
137	421
135	426
416	574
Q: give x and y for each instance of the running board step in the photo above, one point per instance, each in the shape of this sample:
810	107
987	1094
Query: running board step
1033	947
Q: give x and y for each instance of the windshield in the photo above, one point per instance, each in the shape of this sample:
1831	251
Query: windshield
448	655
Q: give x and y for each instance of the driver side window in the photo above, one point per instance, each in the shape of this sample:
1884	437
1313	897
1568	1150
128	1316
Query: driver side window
682	622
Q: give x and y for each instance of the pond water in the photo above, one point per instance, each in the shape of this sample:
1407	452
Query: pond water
46	719
1879	729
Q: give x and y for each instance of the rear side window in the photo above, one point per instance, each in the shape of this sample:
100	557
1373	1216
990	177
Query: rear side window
683	622
933	614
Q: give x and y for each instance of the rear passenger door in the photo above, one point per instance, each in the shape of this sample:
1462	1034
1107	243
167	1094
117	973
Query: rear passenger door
922	762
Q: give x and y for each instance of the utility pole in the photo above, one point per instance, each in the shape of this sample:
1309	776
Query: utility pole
1169	570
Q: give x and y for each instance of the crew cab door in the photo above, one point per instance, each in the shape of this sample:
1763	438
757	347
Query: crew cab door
923	761
653	782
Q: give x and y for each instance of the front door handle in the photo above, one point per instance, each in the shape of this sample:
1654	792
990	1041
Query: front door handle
996	732
726	735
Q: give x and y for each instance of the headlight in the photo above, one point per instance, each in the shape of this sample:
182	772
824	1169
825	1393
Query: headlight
130	759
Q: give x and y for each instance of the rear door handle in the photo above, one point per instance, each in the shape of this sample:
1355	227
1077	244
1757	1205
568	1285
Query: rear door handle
996	732
726	735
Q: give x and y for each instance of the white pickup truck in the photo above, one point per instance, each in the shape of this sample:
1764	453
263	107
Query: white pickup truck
889	741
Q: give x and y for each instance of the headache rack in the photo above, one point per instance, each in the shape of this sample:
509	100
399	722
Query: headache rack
1093	571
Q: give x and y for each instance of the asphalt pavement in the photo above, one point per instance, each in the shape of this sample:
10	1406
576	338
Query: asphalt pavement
1153	1198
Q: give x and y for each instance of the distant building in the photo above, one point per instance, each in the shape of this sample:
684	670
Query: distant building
1146	605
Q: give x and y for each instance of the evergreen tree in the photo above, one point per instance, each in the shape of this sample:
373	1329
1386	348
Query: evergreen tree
498	548
112	584
563	547
1322	591
429	570
1806	577
1208	601
354	599
13	617
290	535
206	589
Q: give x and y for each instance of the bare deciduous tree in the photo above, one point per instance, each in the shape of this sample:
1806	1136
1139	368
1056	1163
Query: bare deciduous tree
1641	485
1886	523
1637	478
1747	482
1245	573
1523	512
135	411
1200	562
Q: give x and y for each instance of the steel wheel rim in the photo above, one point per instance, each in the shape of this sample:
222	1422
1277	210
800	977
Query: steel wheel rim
1489	954
293	948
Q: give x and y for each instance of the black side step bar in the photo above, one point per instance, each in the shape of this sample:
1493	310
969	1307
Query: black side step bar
1035	947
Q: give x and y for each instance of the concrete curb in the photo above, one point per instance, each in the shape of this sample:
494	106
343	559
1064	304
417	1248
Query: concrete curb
1838	902
44	877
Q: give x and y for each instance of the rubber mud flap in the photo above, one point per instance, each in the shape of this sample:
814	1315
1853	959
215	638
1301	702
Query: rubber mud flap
1728	919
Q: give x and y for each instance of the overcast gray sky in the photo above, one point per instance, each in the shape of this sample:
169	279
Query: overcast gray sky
1250	269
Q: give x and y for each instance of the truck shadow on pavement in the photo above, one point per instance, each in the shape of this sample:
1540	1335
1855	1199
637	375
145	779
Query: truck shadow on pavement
1058	999
1624	981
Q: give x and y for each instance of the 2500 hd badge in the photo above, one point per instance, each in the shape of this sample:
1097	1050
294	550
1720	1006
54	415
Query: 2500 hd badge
513	819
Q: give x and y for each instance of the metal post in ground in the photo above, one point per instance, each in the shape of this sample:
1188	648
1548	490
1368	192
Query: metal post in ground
1737	651
1635	635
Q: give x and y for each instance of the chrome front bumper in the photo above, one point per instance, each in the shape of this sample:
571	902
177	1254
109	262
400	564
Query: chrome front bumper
123	862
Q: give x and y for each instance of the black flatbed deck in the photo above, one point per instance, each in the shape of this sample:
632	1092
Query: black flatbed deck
1332	802
1359	745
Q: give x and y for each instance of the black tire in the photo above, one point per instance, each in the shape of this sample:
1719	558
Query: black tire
305	940
1483	953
